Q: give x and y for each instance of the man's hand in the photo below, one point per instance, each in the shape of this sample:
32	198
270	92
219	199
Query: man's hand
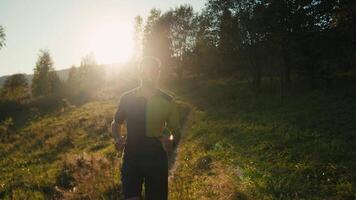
167	143
120	144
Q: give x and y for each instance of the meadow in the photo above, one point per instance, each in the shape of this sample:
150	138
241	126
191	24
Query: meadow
243	146
235	145
266	90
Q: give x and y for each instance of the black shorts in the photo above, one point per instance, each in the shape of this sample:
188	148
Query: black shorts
152	173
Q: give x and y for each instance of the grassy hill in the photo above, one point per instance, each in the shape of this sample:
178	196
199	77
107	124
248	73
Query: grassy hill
235	146
240	146
32	162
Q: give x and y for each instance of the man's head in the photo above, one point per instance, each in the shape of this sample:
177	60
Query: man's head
149	70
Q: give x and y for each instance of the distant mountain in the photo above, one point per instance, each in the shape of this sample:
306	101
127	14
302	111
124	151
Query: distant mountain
110	70
63	75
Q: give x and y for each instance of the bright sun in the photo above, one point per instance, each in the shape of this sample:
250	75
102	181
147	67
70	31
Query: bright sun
111	42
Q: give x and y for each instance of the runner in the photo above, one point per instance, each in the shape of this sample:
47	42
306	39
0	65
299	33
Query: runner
148	112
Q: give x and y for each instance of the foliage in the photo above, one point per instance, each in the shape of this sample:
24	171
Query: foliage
45	80
238	145
170	36
282	39
182	34
15	88
2	36
138	34
156	40
84	80
5	129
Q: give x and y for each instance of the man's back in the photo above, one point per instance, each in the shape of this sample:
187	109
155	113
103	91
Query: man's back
148	112
145	119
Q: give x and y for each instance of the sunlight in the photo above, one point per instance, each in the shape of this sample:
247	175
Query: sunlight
111	42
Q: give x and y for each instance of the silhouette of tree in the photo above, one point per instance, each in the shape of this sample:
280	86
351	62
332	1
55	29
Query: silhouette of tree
84	80
91	75
205	53
157	37
45	80
15	88
279	39
2	36
183	30
138	34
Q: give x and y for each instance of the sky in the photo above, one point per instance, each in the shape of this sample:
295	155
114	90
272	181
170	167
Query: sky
71	29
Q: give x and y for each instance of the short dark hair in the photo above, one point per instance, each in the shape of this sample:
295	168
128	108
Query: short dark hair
149	61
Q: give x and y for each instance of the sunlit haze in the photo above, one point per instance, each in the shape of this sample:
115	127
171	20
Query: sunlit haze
71	30
110	41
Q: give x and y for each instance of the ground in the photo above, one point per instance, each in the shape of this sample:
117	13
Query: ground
235	145
243	146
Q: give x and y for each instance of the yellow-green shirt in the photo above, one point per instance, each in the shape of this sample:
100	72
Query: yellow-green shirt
147	120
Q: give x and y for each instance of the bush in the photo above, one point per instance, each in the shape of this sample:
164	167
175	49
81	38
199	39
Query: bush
4	129
9	107
47	103
84	176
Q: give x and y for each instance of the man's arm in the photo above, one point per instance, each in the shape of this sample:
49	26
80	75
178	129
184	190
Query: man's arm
119	118
116	132
173	126
173	121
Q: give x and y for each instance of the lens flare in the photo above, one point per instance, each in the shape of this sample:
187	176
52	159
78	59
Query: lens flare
110	41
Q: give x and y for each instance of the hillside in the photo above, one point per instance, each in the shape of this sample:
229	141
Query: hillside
63	73
31	162
240	146
235	146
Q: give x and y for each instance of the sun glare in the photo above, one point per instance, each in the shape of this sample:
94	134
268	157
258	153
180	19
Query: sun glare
111	42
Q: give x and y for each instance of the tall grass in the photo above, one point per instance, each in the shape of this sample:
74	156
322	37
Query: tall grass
243	146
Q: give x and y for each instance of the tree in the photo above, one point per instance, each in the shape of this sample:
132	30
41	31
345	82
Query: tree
15	88
2	36
229	39
156	40
282	39
45	80
183	29
150	33
73	83
84	80
205	53
344	27
73	76
91	75
138	31
170	36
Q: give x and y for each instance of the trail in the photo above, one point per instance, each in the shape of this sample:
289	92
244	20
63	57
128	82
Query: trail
173	157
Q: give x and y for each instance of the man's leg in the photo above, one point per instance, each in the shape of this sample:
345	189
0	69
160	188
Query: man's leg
134	198
156	181
132	180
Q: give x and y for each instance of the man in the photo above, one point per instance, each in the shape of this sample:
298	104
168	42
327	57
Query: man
148	113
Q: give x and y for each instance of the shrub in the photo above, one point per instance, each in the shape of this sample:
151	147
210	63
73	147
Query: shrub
4	129
84	176
47	103
9	107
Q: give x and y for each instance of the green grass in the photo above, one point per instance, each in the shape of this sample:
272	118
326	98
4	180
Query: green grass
32	160
235	145
240	146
